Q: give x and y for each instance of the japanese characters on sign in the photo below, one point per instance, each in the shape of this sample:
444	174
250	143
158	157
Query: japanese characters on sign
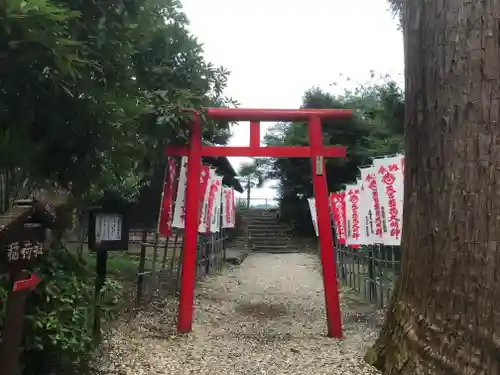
108	227
108	230
22	238
23	250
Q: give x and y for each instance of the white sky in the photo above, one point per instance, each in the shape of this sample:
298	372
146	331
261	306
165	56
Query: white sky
278	49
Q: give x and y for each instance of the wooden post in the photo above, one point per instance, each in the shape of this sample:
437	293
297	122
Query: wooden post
100	279
13	330
140	270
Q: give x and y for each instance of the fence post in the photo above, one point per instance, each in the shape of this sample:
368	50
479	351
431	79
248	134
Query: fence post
10	347
165	251
142	262
100	268
153	266
174	254
371	276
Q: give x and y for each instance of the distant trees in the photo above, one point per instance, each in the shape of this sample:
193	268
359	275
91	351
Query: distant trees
376	129
252	175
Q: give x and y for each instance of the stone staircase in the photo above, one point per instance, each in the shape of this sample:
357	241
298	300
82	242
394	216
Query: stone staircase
267	234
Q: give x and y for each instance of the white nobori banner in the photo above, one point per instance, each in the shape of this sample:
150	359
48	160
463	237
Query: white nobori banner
215	204
228	208
365	236
179	217
373	221
353	224
213	186
390	185
180	199
314	216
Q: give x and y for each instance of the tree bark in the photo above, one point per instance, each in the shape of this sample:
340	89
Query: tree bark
445	314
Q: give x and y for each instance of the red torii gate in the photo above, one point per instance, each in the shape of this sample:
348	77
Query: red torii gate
316	151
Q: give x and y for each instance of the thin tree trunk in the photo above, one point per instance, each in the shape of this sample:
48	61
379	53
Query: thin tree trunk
445	314
249	186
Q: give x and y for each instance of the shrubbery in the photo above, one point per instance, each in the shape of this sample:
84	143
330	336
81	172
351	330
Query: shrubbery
58	328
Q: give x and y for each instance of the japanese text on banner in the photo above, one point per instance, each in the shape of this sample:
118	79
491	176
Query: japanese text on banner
364	232
167	201
390	192
215	204
205	209
337	201
178	220
374	220
227	208
352	215
180	200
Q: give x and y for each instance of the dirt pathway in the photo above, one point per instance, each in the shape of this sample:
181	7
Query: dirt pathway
265	316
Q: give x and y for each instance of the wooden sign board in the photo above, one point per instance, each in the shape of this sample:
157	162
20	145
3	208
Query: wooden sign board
22	236
108	231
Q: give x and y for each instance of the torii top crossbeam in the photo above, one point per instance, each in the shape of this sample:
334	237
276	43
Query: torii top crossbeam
255	116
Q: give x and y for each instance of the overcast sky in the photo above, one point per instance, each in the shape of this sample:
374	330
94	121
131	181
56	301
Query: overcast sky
278	49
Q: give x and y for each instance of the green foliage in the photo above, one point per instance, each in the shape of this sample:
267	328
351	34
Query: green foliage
91	92
59	313
376	129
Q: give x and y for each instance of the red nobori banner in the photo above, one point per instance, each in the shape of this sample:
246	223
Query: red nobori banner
205	177
167	201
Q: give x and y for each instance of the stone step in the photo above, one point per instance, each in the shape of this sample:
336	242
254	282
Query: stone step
271	233
267	227
269	246
263	222
278	233
273	243
261	218
276	250
272	237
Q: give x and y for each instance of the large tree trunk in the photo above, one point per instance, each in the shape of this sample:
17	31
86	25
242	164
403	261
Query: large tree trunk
445	314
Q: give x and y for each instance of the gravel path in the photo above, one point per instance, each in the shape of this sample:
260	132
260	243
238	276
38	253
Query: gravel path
265	316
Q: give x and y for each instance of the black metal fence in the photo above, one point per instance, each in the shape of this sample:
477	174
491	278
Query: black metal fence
159	260
369	270
153	262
